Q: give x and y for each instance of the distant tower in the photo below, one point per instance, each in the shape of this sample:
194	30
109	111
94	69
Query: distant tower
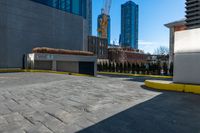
103	21
193	13
129	25
104	25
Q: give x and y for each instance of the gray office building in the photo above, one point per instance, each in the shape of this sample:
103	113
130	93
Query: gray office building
26	24
129	25
193	13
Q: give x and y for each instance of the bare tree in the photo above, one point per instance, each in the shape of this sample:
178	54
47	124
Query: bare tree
162	50
123	56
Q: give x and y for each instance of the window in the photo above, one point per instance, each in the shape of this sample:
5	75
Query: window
54	3
83	8
76	7
65	5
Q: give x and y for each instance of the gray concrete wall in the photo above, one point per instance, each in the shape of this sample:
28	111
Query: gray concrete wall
3	46
43	65
187	68
67	66
25	24
171	46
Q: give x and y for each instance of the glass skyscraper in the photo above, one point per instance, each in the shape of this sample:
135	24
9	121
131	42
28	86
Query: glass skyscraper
77	7
129	25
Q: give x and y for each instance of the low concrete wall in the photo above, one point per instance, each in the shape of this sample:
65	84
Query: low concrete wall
187	57
43	65
59	62
67	66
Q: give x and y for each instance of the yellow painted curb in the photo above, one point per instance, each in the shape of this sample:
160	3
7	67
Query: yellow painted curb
56	72
135	75
192	89
44	71
11	70
165	85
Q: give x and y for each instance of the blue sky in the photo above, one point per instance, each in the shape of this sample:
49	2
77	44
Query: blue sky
153	14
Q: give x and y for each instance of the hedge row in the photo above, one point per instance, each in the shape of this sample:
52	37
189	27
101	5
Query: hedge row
61	51
135	68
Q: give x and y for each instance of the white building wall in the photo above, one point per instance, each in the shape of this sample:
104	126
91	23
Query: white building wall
187	56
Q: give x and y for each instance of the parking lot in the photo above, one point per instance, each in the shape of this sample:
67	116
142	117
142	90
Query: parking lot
53	103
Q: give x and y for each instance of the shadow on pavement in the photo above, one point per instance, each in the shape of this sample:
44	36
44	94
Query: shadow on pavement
155	90
142	79
135	78
169	112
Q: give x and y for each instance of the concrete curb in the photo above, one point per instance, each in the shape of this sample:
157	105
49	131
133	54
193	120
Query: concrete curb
56	72
135	75
170	86
41	71
11	70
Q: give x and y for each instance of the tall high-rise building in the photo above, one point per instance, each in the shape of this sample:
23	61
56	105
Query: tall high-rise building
26	24
100	26
89	16
78	7
193	13
129	25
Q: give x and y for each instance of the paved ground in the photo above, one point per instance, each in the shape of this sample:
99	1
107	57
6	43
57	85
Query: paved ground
50	103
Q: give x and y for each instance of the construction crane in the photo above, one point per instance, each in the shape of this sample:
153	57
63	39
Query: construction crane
103	22
107	6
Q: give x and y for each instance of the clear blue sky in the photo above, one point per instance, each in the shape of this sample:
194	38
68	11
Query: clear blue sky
153	14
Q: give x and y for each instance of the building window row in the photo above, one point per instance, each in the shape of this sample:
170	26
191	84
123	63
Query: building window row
77	7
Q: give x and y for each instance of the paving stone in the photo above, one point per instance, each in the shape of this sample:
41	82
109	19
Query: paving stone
3	121
72	128
14	117
21	108
39	128
35	104
37	117
11	128
61	115
56	125
4	110
84	122
14	131
1	98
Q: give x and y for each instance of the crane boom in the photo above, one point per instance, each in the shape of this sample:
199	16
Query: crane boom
107	6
